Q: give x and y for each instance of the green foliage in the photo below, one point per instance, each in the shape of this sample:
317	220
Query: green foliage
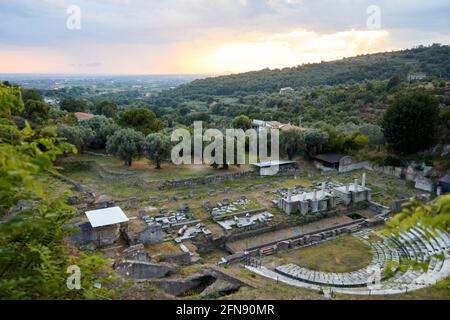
292	142
31	94
79	136
433	60
361	141
197	116
348	137
107	108
445	119
73	105
393	83
393	161
140	119
36	111
33	255
242	122
102	127
411	123
157	148
374	134
433	216
10	101
315	141
125	144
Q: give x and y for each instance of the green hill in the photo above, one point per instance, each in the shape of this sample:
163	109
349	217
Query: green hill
433	60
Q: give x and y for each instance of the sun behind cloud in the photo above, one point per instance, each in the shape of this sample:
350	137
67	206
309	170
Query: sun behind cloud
278	50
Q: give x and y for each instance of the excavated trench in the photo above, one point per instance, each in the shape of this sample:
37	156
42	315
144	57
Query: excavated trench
206	285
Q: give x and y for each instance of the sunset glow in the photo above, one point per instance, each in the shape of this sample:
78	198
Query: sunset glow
200	36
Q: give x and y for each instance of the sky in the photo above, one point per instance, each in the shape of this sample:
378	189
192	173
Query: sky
207	36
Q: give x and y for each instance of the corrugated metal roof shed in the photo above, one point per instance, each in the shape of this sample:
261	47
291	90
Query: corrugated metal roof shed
272	163
332	158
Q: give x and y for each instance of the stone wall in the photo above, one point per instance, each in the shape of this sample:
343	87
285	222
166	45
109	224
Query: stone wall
424	184
409	173
378	208
136	253
288	224
183	258
151	235
219	178
100	237
143	270
298	241
350	166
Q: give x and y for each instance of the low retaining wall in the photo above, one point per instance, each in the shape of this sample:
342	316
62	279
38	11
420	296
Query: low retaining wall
284	225
378	208
303	240
255	250
219	178
409	173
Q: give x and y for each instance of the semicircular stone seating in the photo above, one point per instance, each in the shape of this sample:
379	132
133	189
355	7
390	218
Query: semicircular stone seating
426	248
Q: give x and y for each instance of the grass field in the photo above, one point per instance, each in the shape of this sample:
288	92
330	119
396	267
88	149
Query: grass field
343	254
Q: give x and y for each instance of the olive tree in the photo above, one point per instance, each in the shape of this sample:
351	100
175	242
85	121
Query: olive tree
157	148
81	137
292	142
125	144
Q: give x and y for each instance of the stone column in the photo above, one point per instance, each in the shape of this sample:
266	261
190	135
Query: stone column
364	181
356	185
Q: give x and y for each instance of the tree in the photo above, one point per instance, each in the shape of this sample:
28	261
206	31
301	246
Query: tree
140	119
431	217
411	123
34	257
292	142
435	216
184	110
361	141
106	108
73	105
157	148
31	94
374	133
242	122
80	136
197	116
445	119
393	82
315	141
36	111
102	127
354	141
125	144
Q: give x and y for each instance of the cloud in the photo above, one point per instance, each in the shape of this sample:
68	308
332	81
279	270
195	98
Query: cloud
111	30
281	50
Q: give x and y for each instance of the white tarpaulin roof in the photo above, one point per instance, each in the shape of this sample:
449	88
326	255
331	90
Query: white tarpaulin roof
106	217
